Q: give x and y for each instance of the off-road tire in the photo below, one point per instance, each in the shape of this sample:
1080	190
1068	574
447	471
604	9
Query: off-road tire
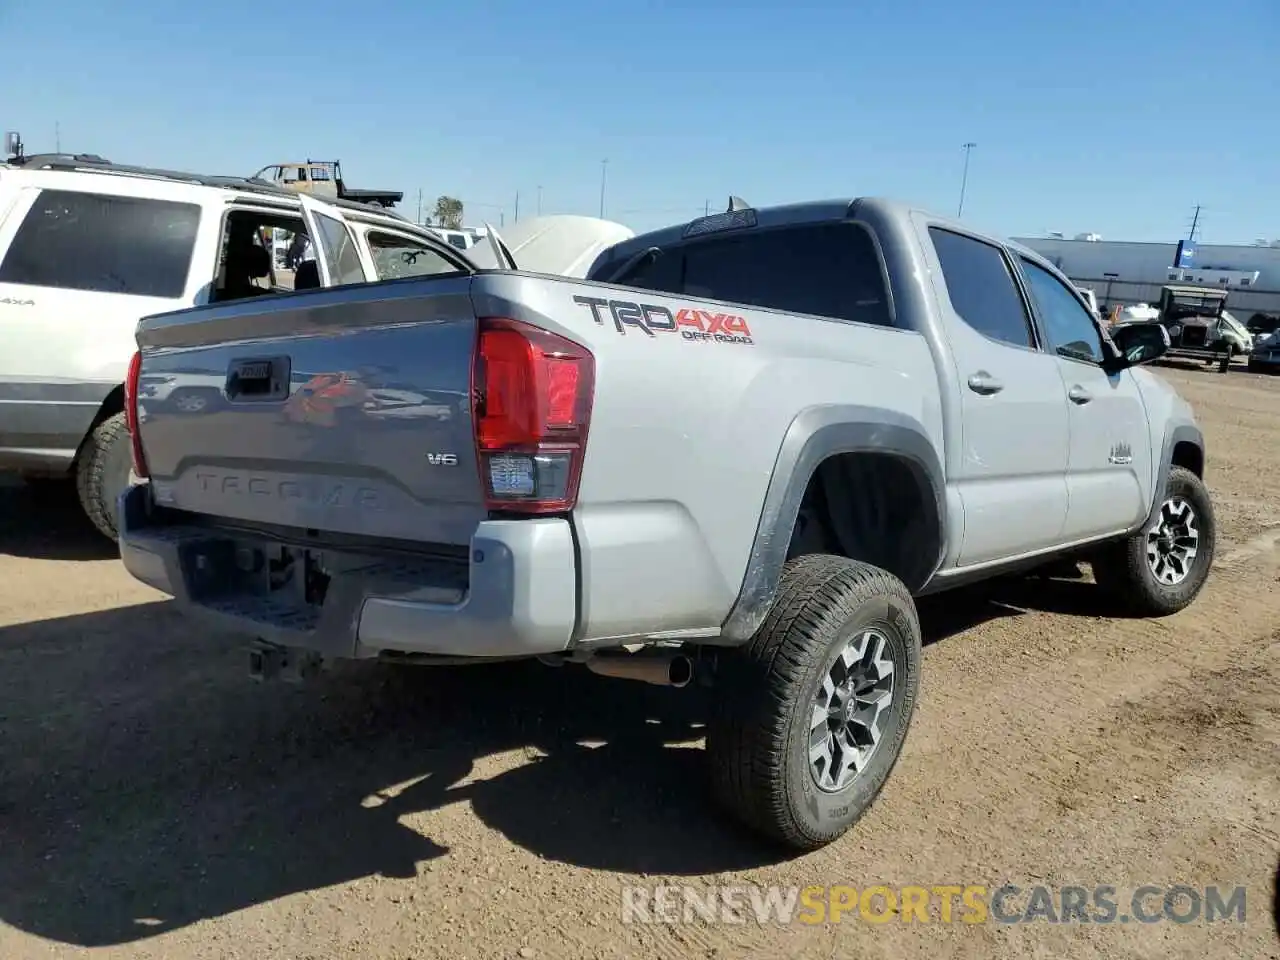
102	472
1122	568
758	734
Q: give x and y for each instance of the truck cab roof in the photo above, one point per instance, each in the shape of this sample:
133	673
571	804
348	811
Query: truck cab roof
880	209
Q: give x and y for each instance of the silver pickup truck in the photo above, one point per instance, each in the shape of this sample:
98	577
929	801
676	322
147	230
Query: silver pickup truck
736	452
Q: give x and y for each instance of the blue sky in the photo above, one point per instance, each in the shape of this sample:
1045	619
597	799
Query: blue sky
1116	117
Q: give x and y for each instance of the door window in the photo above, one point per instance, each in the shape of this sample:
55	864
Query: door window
396	256
1068	325
981	288
102	243
339	251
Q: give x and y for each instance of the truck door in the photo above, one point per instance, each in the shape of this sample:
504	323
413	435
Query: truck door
1009	468
1110	462
342	259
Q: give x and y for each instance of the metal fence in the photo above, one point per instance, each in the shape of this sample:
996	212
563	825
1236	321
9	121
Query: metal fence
1242	302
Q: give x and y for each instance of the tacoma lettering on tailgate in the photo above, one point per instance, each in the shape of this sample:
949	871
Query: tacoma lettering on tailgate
320	493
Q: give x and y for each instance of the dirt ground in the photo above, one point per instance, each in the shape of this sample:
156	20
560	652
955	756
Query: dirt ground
156	803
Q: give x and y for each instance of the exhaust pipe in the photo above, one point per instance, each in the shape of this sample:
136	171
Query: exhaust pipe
660	669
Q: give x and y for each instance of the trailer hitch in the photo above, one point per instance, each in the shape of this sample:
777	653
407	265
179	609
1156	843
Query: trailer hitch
271	661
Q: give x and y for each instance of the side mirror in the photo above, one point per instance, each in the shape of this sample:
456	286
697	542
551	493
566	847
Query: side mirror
1139	343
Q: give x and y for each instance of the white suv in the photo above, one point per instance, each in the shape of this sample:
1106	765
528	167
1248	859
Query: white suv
87	248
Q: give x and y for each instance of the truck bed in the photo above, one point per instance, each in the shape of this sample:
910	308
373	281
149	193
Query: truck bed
656	418
371	196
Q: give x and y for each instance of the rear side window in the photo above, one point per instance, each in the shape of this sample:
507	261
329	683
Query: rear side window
829	270
395	257
105	244
981	287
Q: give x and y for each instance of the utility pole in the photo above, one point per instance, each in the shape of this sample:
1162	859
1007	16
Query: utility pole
57	137
964	179
539	200
706	208
604	169
419	206
517	216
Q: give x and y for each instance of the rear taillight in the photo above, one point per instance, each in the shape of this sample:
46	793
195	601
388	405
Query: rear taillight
131	414
531	404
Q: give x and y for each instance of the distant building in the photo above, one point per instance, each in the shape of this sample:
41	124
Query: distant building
1123	272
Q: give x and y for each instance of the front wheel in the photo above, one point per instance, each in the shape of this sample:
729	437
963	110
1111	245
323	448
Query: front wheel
1161	569
813	712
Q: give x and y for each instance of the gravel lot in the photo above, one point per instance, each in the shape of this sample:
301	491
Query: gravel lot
156	803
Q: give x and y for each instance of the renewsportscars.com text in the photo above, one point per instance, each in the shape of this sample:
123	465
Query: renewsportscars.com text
938	903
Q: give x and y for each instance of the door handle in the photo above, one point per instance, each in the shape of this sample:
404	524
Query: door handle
984	383
1079	394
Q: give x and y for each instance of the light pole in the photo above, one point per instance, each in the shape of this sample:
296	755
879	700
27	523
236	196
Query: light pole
604	170
964	179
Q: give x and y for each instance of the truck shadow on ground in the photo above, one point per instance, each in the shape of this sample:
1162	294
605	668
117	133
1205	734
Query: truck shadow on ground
146	784
1275	901
45	522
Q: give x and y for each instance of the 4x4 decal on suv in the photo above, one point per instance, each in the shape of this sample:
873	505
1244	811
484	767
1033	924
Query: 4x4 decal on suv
652	319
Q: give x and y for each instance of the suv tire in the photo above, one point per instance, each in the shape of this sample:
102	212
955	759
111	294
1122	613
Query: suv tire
830	611
102	472
1150	572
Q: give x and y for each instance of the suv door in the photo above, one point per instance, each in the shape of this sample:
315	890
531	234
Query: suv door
340	257
1110	455
1011	474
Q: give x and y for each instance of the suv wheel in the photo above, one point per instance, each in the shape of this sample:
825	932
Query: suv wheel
1162	568
102	472
813	712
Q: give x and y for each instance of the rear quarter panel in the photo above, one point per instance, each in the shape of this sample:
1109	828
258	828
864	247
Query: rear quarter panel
685	433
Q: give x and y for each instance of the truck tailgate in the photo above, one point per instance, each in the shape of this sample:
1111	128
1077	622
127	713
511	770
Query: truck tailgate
345	410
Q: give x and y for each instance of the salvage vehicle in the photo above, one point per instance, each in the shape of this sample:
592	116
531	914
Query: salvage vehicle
323	180
87	247
734	454
1265	357
1200	327
564	244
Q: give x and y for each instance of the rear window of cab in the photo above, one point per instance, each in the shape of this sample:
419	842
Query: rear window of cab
828	269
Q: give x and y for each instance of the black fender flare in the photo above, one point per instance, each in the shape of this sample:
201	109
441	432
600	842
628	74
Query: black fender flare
1174	435
815	434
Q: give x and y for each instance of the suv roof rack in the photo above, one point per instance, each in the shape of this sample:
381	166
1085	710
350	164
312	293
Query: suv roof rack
92	163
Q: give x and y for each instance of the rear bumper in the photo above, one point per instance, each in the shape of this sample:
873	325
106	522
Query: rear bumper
515	595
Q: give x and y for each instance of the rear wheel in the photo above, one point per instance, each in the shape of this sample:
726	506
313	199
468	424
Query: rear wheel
813	712
102	472
1161	569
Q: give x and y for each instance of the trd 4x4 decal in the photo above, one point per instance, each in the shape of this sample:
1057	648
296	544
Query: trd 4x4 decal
653	319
